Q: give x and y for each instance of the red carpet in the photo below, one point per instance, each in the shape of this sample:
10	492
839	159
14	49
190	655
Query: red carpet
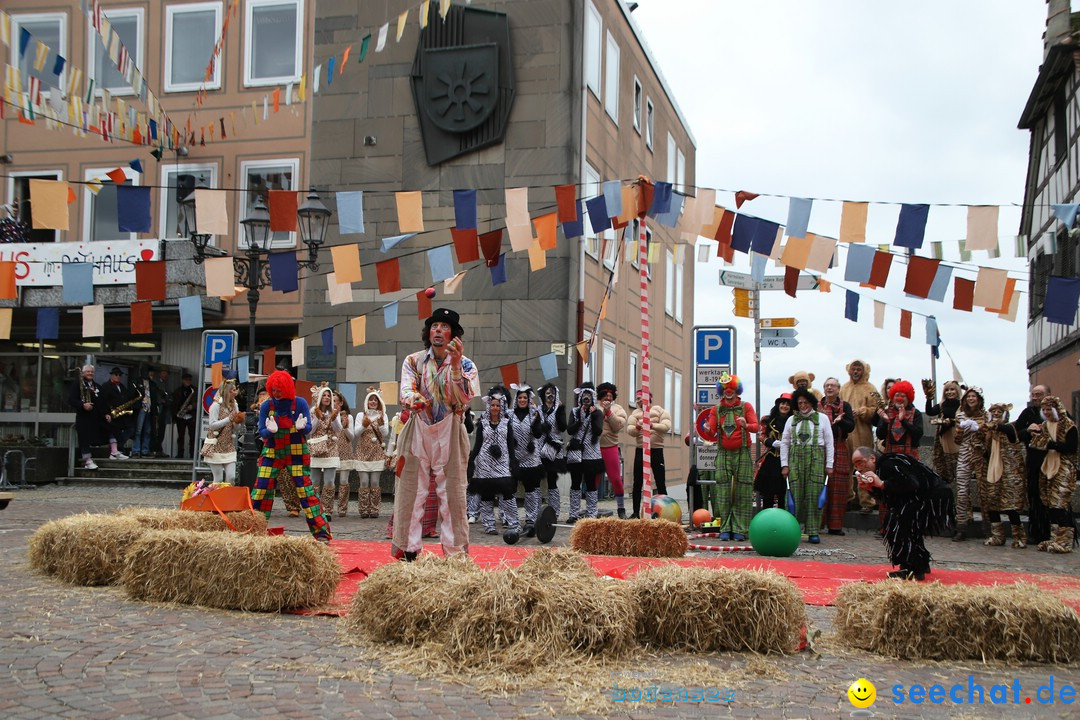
818	581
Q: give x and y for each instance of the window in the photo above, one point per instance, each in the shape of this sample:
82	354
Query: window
637	105
593	35
677	280
49	28
588	368
632	378
607	369
611	79
259	177
177	182
669	283
272	46
672	160
677	405
19	199
191	31
590	189
680	172
100	218
128	24
612	248
669	389
649	123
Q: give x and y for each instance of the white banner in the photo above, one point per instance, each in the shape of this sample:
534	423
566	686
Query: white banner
41	264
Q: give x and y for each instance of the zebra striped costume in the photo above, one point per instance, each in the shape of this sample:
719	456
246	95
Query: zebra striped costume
528	466
490	464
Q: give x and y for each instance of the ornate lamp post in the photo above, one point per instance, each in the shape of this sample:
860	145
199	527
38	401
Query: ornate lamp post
252	271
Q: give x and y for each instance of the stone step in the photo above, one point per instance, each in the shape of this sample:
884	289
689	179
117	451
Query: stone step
154	463
129	471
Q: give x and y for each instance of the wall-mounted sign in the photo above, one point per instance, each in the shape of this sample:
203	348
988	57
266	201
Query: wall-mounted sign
41	264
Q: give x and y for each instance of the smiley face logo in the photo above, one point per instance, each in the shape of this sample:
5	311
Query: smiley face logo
862	693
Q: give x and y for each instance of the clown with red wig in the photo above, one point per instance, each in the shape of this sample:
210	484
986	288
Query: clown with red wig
730	423
284	424
899	426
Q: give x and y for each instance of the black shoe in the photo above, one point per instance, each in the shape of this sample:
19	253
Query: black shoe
622	513
635	516
409	556
569	521
837	532
960	536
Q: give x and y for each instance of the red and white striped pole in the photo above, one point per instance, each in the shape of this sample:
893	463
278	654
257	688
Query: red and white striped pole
646	420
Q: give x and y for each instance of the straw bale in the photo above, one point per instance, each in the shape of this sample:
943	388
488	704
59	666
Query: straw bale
84	549
174	519
231	570
705	610
1014	623
516	618
629	538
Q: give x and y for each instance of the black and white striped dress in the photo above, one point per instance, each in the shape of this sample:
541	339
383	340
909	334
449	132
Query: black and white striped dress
489	461
526	445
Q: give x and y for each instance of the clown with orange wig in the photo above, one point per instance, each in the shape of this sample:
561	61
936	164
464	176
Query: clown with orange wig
730	423
284	424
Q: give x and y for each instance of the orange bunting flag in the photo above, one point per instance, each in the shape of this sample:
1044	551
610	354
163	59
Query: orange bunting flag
389	274
509	374
905	324
346	259
566	201
344	60
217	374
1010	290
142	318
5	323
583	350
277	100
283	206
7	281
410	211
853	222
358	325
423	305
537	256
118	176
546	233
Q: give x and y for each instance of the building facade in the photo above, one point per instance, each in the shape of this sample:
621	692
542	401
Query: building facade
587	104
266	45
1052	116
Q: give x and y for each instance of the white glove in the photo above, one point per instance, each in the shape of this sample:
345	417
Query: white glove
301	422
271	424
969	425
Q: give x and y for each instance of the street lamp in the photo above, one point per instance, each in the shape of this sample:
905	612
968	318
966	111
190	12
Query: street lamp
252	271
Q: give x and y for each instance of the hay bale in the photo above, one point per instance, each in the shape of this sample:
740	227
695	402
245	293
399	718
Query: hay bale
1015	623
409	603
84	549
706	610
629	538
550	608
231	570
174	519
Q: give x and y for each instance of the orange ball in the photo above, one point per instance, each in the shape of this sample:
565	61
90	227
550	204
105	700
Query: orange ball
701	516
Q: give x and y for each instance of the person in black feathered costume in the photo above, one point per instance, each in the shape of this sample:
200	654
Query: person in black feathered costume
552	447
492	464
769	482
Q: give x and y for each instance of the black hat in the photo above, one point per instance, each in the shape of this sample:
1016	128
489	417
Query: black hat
447	316
116	371
803	393
186	376
606	387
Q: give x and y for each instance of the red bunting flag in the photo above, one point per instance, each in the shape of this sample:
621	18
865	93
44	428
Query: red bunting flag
743	196
566	201
509	375
905	324
963	294
150	280
920	275
269	360
283	205
142	318
118	176
791	280
423	305
466	245
879	270
491	245
389	274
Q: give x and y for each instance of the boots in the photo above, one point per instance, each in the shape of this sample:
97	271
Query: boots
1061	540
575	506
472	507
961	533
509	508
1019	536
532	511
591	503
343	498
487	517
554	500
997	534
367	502
326	497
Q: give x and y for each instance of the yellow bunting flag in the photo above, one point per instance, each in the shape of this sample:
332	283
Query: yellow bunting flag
49	204
410	211
346	260
537	257
389	391
444	7
359	330
583	350
401	20
424	13
5	323
853	222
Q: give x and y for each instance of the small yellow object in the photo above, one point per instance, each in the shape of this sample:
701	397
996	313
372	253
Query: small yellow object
862	693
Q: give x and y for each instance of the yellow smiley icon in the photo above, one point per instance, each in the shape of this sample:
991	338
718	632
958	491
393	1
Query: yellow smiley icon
862	693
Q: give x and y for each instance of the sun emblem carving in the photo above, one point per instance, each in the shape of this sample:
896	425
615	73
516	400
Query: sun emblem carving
460	93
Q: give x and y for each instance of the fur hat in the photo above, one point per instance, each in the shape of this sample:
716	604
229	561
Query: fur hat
318	391
1004	408
801	375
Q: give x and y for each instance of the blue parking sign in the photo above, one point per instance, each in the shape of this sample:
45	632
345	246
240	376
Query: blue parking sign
714	345
219	348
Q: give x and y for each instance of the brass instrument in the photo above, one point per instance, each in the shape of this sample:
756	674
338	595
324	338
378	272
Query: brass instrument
87	393
188	406
128	406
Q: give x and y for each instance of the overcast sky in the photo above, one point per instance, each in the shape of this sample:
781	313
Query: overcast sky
894	102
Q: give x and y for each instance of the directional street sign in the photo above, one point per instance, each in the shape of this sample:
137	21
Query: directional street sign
779	333
729	278
778	322
767	342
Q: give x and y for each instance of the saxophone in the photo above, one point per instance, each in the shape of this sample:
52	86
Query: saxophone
188	406
128	406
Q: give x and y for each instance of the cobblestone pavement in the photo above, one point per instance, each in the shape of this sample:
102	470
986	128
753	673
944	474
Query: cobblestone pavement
90	652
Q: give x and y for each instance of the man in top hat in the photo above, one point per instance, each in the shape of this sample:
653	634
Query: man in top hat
117	403
437	384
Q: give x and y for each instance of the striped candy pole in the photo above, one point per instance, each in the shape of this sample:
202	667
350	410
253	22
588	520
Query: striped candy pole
646	421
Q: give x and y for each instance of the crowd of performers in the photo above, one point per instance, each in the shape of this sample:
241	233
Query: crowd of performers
853	445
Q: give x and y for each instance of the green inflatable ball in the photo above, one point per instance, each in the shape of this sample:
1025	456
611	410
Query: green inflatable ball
775	533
